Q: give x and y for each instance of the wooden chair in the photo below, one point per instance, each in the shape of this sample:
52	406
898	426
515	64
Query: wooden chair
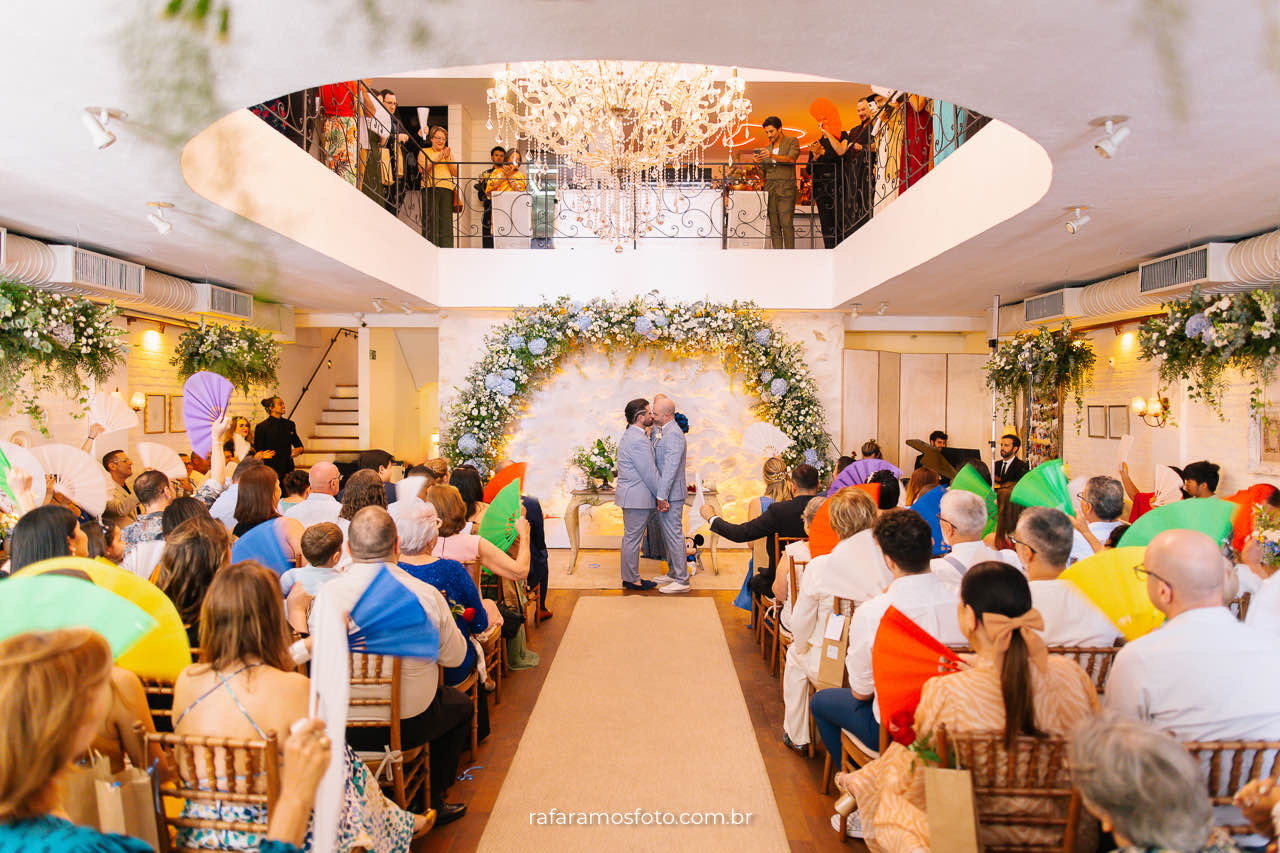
784	639
1036	770
1094	660
1229	764
495	658
409	768
217	771
768	608
1240	605
159	703
845	606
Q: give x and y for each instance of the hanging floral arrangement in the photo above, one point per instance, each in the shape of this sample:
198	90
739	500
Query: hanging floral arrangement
247	356
53	341
1049	360
1202	336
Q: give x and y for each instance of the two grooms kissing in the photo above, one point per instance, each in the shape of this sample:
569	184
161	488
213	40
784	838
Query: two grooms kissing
651	478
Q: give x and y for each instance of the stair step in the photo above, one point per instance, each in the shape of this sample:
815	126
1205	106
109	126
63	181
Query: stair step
342	404
337	416
346	391
307	459
350	430
321	444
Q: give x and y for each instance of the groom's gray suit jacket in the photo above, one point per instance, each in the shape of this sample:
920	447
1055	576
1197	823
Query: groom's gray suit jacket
637	471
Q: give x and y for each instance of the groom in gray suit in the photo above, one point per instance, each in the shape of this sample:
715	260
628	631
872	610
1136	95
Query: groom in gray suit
669	449
637	485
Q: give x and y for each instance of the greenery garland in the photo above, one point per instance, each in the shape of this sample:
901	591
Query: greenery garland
523	352
247	356
1050	359
51	340
1202	336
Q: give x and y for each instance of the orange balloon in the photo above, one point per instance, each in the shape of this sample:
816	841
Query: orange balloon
823	110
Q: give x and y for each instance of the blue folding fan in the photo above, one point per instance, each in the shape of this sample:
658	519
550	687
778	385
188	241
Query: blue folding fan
265	544
389	620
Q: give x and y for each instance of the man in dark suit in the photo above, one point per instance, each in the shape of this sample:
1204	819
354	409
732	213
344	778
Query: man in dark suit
782	518
1009	468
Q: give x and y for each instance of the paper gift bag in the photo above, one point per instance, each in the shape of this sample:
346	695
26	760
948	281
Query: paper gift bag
126	805
79	794
952	811
835	642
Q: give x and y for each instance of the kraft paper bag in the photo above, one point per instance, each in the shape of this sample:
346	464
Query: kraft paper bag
952	811
835	643
126	805
79	795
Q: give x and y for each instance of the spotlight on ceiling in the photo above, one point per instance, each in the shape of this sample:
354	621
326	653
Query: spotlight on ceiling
1112	135
95	121
1077	222
156	217
881	308
379	304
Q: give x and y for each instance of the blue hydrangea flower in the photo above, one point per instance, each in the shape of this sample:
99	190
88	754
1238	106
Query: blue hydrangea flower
468	443
659	319
778	387
763	336
491	381
575	307
515	341
478	465
538	346
644	326
1197	325
507	388
508	374
583	321
811	457
766	376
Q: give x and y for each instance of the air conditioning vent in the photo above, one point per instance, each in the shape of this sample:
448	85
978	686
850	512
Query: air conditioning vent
1052	307
222	301
78	270
1201	266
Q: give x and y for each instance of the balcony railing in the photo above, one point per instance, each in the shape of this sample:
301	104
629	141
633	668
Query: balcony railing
719	205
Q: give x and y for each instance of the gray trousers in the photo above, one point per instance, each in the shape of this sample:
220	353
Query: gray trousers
782	208
672	522
633	523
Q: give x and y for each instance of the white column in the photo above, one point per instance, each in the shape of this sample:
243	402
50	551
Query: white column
365	407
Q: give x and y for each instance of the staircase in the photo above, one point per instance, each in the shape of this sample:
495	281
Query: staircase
337	434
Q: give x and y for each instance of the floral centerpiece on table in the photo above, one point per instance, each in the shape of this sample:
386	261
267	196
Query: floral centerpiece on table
1266	529
599	461
1048	360
53	341
1202	336
247	356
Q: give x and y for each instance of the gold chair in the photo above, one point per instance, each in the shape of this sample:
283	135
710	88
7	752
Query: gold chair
217	771
1240	605
784	638
410	769
1229	764
768	608
1094	660
495	654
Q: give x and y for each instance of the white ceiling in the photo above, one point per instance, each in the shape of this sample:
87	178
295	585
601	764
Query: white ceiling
1046	69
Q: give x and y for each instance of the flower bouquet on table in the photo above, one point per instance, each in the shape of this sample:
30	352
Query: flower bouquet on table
598	461
1266	529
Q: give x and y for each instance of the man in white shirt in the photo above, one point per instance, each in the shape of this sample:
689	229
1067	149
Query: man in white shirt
440	717
962	516
1043	544
907	543
1100	508
320	505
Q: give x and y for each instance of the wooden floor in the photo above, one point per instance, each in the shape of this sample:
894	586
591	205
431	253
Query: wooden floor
796	780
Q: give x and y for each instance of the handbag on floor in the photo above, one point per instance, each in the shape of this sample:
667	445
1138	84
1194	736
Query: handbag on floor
952	811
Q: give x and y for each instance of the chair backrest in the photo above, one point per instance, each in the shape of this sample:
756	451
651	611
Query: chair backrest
1240	605
1229	764
216	772
794	569
160	703
1094	660
780	544
375	671
1035	772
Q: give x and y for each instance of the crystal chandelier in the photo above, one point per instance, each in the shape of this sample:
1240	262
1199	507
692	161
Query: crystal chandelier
621	129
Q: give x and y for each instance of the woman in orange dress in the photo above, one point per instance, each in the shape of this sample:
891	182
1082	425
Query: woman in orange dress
1013	685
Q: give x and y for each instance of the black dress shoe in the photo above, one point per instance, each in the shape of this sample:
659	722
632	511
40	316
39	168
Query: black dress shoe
449	812
644	584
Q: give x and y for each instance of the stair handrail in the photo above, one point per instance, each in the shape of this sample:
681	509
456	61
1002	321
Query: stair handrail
307	386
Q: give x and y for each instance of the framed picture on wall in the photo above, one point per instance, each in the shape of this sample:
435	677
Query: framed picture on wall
1117	421
1264	440
176	423
154	412
1097	417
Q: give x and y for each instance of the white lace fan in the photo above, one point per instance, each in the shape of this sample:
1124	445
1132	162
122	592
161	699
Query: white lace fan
157	457
764	440
76	475
21	458
111	412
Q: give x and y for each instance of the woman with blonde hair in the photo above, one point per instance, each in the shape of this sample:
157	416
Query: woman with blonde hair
441	181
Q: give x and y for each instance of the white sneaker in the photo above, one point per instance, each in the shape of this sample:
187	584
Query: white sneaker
852	827
675	586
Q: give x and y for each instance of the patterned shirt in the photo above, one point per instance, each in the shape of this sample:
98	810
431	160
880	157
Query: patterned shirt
145	529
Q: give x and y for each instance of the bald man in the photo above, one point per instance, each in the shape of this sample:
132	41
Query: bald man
1203	675
320	505
669	452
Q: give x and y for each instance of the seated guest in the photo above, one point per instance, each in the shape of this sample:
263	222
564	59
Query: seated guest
441	717
117	739
44	533
963	516
453	544
154	492
122	504
320	504
1143	787
440	467
890	489
246	686
1197	676
256	505
871	449
193	554
1014	685
847	572
777	487
144	559
379	462
364	488
1100	508
922	480
1043	545
322	549
906	542
779	518
938	439
97	544
466	480
294	489
1200	479
1168	489
224	507
539	567
843	462
799	553
1007	515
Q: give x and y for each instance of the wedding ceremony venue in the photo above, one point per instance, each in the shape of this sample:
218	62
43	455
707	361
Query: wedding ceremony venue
536	425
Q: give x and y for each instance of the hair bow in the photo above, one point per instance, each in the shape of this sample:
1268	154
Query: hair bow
1000	629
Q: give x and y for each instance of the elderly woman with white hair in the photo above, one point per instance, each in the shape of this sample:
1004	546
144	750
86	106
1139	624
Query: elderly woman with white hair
1147	790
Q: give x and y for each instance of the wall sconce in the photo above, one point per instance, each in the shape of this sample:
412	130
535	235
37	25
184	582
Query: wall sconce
1154	411
152	340
137	400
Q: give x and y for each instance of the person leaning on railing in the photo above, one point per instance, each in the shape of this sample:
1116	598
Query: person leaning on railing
441	182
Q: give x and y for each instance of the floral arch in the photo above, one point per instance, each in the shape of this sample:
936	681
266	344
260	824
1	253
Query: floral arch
523	352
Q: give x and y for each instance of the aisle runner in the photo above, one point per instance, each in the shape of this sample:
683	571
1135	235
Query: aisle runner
598	569
641	711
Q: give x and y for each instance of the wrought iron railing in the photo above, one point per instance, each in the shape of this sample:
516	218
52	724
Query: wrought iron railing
722	204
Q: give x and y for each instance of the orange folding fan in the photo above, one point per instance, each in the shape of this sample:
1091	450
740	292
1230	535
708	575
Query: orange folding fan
903	657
